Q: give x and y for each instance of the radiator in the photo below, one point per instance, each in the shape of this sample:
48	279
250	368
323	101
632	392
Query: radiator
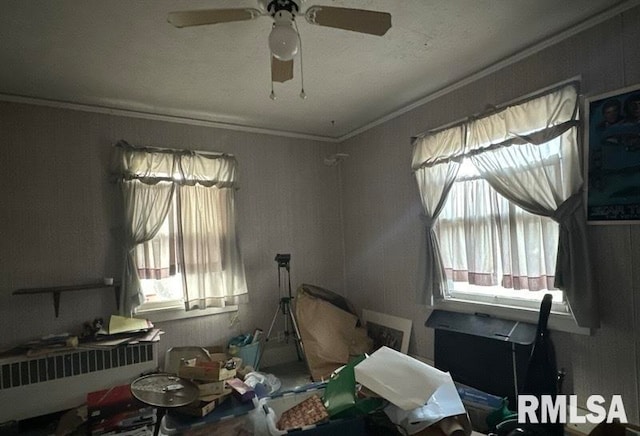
32	387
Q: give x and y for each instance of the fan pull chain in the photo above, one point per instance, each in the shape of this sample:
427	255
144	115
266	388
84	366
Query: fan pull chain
272	96
303	95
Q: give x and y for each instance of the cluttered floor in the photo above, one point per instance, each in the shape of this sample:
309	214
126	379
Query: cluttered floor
291	375
206	388
337	387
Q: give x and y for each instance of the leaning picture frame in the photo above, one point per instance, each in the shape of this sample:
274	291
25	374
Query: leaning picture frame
612	157
388	330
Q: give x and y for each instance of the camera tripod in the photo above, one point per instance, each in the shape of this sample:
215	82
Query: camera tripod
284	308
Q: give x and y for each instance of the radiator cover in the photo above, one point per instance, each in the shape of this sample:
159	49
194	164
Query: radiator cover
38	386
483	352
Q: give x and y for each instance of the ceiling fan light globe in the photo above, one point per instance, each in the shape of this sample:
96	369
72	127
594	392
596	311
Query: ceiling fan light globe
283	42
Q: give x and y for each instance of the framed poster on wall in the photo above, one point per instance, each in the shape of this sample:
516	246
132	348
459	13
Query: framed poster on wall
388	330
612	145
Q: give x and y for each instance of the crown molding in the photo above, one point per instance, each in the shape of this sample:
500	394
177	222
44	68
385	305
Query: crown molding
558	37
181	119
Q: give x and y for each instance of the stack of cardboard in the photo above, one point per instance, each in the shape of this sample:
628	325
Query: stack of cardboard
116	411
209	373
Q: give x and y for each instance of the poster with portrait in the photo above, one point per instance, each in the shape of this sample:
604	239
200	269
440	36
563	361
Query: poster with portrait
388	330
612	143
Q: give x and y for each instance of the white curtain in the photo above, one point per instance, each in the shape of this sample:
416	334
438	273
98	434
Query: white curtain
145	208
213	270
157	258
529	153
204	186
486	240
434	182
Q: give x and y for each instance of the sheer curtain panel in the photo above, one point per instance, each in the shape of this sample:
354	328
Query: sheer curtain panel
434	181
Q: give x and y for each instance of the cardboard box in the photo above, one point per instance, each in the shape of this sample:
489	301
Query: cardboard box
242	391
217	353
199	369
204	405
210	388
112	401
479	405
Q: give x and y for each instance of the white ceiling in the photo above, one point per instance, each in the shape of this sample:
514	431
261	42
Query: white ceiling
122	54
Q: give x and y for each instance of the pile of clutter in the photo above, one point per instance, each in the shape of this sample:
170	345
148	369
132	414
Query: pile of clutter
213	372
220	372
402	392
115	411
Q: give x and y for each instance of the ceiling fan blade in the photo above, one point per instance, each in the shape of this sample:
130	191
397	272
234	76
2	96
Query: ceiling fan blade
357	20
211	16
281	71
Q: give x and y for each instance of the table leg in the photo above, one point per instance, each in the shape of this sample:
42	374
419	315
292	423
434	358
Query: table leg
160	412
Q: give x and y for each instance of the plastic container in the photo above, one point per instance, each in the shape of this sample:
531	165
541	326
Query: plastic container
229	418
273	407
248	353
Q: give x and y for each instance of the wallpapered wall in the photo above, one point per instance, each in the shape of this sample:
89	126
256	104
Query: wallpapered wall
381	207
59	213
60	218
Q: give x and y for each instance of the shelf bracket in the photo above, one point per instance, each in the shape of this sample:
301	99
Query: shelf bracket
56	302
116	289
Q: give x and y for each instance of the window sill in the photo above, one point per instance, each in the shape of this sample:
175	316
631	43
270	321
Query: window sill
563	322
177	314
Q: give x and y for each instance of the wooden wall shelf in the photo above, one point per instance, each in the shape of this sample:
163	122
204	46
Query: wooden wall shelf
56	290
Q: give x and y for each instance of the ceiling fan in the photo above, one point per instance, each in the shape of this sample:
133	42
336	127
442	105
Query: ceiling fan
284	40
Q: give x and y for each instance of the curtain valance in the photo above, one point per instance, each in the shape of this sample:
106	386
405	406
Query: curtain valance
537	120
183	167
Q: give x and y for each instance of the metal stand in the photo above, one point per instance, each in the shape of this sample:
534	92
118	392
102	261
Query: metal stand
284	307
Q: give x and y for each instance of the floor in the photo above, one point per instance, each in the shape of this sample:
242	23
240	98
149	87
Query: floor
292	375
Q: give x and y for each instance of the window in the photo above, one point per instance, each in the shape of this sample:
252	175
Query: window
494	251
180	229
159	268
493	190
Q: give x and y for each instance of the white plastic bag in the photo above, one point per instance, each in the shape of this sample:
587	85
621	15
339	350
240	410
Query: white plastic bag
270	382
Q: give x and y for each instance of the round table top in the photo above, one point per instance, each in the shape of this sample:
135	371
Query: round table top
164	390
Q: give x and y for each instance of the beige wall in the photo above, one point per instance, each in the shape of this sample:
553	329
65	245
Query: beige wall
59	217
381	208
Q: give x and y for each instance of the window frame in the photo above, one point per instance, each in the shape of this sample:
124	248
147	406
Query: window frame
170	310
175	313
563	322
465	294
